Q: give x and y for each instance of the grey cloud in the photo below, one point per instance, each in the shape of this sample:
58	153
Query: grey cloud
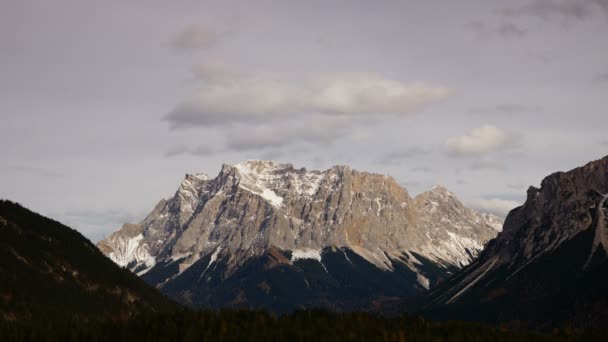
517	186
197	37
218	72
485	164
565	11
544	57
311	130
421	169
507	109
603	4
397	157
35	171
510	30
194	151
504	29
601	78
276	153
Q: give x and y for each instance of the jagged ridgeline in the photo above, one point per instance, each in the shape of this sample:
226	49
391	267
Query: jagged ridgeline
51	272
549	266
267	235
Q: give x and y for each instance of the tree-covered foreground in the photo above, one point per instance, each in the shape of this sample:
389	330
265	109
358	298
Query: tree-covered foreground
261	326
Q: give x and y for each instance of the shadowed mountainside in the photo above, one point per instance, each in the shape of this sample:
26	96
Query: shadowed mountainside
50	271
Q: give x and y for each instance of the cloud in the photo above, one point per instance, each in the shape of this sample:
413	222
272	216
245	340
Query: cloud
601	78
564	10
35	171
217	72
504	29
485	164
397	157
422	169
313	129
520	186
544	57
497	206
263	99
479	141
197	37
261	111
194	151
505	109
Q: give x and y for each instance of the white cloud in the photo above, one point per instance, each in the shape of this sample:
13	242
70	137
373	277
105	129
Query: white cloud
262	110
479	141
496	206
227	97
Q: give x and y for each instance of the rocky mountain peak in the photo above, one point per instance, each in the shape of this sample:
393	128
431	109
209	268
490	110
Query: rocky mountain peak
254	207
555	212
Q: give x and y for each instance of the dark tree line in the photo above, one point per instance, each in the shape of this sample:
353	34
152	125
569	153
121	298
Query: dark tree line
310	325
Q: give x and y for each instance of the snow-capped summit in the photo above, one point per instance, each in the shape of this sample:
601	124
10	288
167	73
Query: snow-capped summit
215	228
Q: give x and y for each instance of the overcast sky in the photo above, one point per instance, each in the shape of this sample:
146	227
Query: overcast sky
105	105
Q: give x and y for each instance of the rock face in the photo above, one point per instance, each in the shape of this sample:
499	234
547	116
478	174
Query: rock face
260	217
548	267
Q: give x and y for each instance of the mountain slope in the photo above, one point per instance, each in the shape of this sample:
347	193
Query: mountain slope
50	271
260	230
548	267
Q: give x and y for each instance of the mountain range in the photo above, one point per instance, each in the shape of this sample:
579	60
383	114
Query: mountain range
267	235
258	236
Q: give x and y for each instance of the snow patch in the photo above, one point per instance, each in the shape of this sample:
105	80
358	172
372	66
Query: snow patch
452	250
422	280
271	197
126	250
306	254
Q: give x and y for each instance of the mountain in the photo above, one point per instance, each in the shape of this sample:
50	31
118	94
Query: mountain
51	272
548	267
267	235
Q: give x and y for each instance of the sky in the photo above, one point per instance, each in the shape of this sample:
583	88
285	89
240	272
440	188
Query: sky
105	105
